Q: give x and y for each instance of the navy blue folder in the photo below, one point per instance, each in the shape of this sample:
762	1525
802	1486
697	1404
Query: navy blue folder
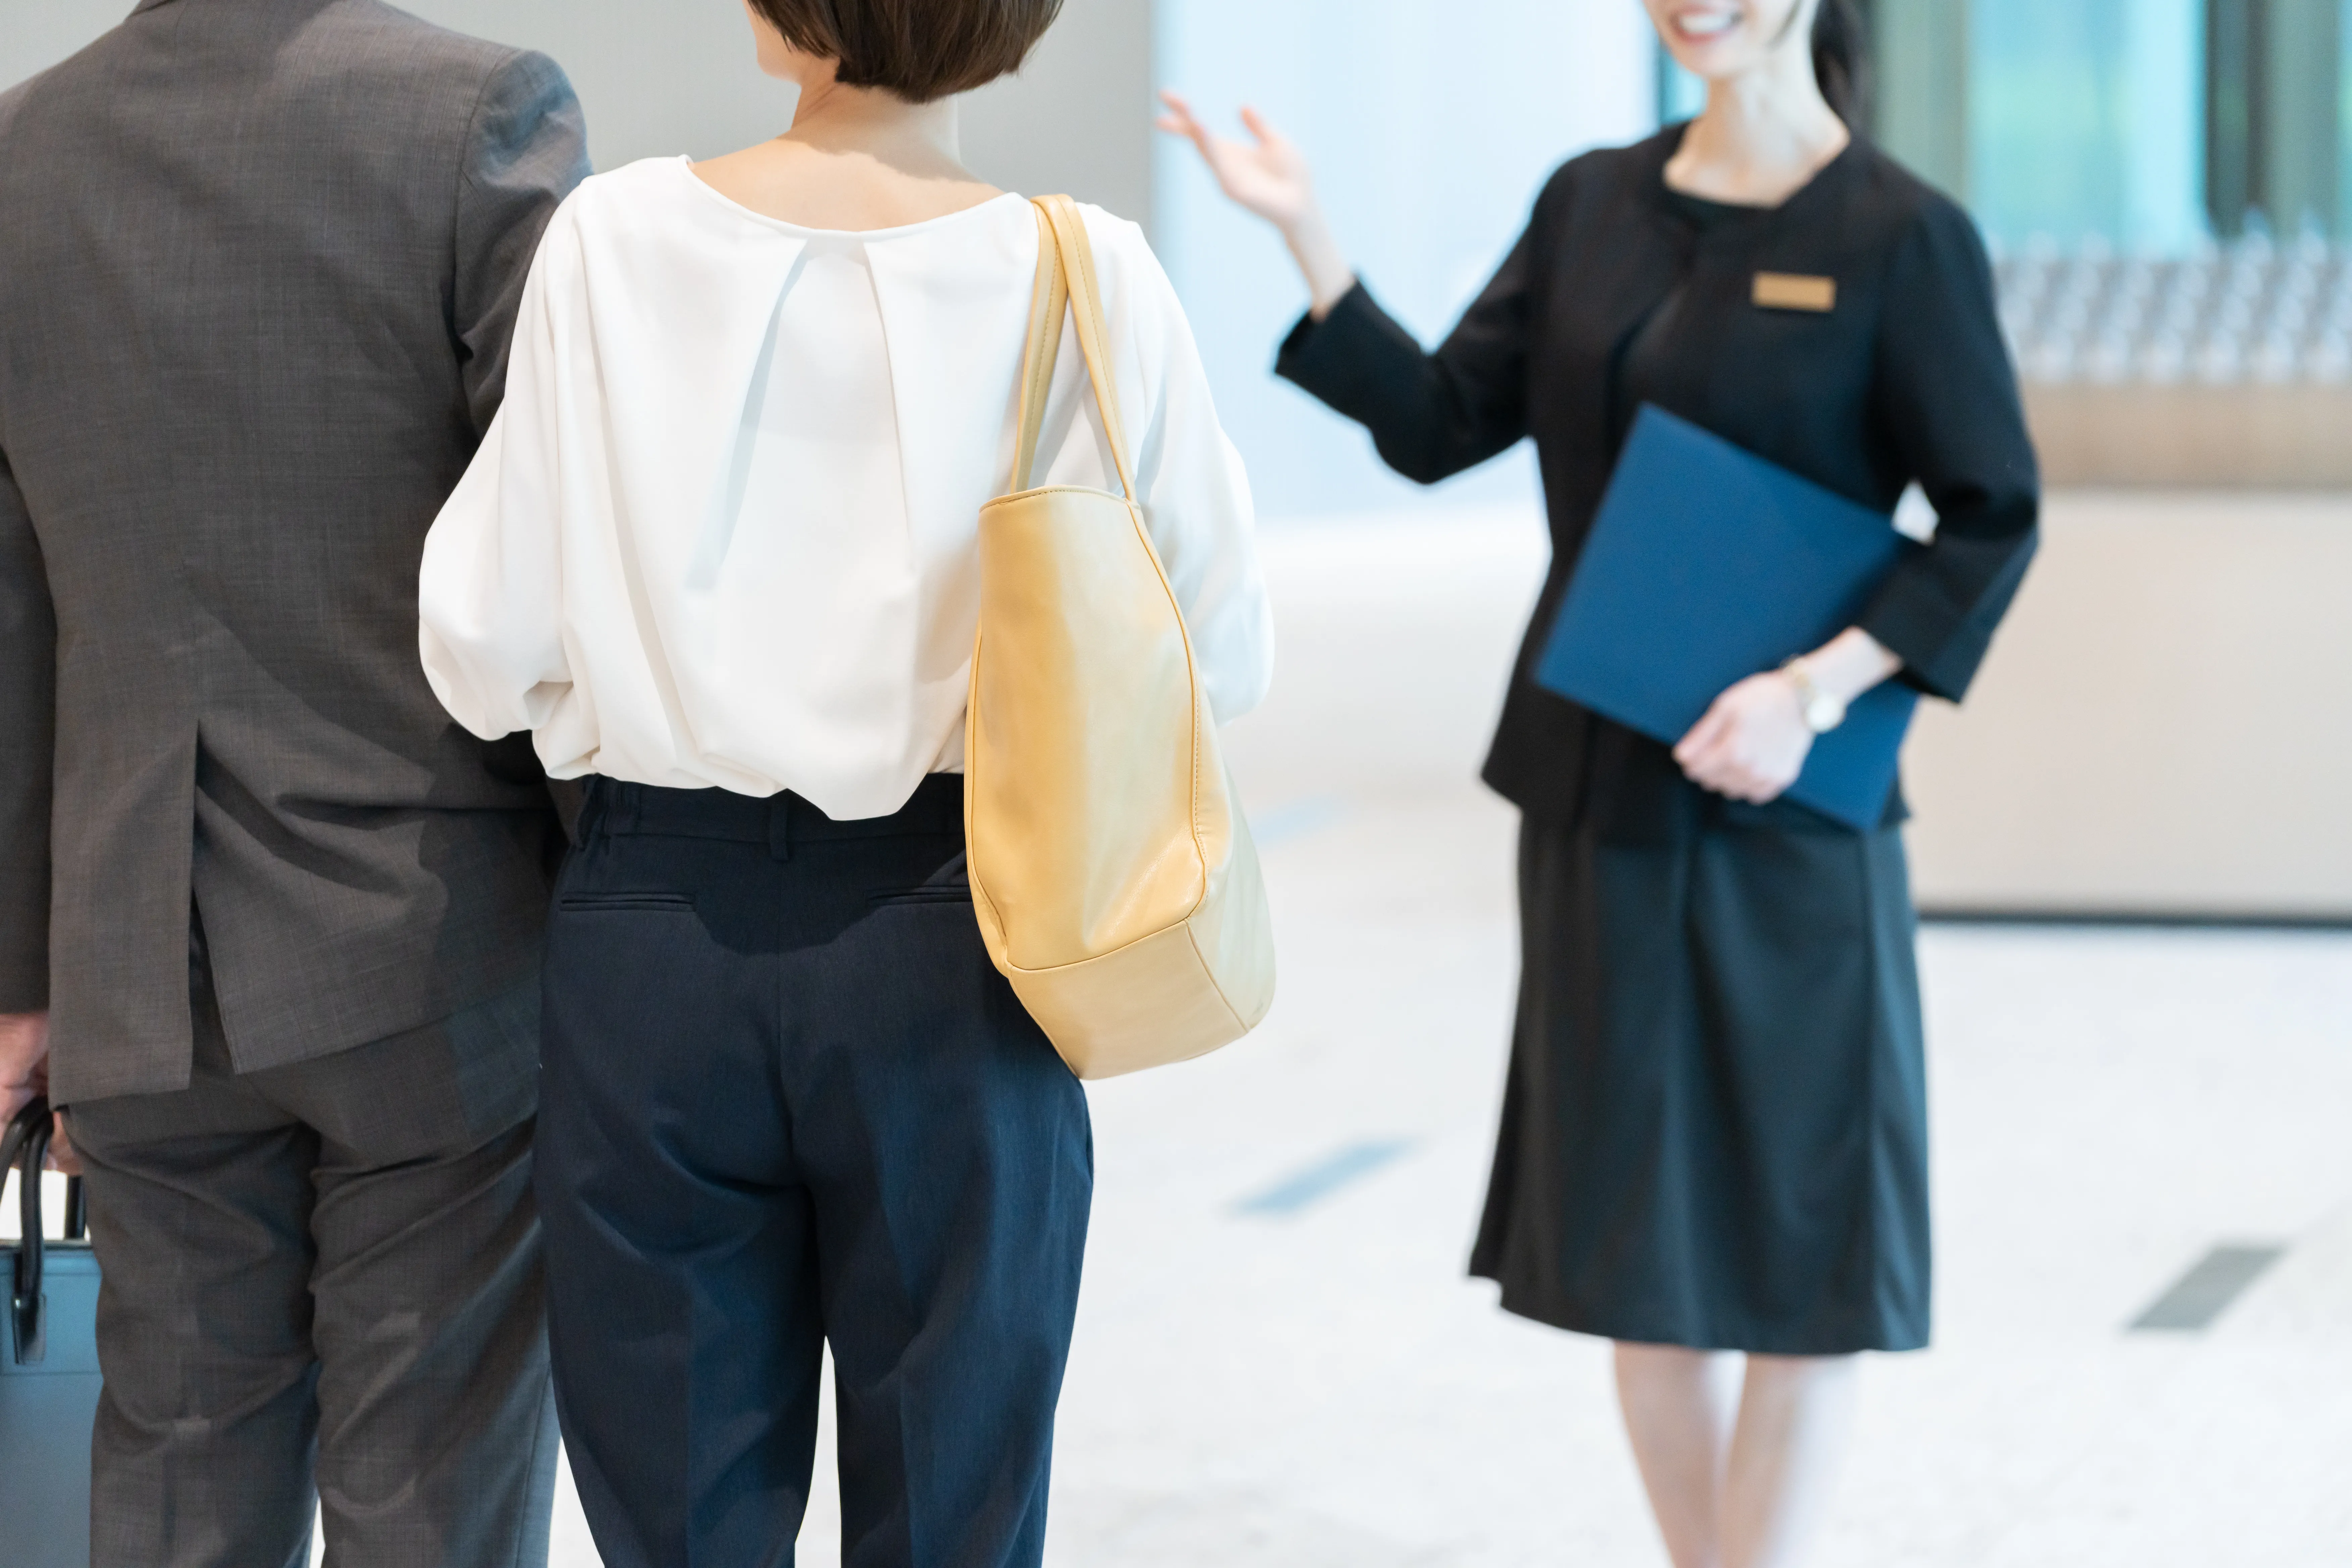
1706	564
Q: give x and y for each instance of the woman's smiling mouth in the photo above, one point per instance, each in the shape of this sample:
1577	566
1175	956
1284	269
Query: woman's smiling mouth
1705	23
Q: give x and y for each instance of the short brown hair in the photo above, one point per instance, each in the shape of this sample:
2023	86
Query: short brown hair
919	49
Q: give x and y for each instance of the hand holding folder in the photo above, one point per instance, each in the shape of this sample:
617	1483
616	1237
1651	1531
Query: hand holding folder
1708	564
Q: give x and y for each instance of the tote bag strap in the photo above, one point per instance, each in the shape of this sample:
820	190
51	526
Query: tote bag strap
1050	299
1066	279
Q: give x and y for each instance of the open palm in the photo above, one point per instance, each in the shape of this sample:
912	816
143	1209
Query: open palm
1269	178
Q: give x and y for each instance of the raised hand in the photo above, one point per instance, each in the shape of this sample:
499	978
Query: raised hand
1269	176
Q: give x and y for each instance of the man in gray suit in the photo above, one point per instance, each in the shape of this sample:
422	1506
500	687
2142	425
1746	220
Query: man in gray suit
277	916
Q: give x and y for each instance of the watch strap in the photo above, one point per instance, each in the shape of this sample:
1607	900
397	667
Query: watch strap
1822	711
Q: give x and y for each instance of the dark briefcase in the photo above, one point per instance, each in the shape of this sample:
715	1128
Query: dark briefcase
48	1368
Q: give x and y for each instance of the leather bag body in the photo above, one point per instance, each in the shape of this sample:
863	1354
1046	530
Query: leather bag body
49	1367
1112	870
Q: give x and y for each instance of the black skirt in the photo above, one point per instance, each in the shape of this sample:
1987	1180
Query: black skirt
1714	1133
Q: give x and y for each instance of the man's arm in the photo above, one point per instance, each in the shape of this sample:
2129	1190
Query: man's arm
525	151
29	701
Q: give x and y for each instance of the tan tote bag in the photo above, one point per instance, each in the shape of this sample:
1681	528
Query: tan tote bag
1111	870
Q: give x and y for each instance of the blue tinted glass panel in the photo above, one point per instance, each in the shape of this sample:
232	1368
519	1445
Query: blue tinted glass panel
2086	119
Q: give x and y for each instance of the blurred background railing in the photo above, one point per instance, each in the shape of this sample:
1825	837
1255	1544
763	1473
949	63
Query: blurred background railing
2252	312
2231	367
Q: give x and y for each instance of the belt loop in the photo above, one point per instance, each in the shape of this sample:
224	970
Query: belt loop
780	827
595	799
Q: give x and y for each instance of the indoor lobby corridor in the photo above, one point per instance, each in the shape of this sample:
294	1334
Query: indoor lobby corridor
2132	846
1279	1363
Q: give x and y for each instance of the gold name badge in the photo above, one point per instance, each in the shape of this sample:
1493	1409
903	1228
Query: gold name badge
1795	291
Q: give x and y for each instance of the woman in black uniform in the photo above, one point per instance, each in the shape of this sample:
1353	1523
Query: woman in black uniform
1713	1138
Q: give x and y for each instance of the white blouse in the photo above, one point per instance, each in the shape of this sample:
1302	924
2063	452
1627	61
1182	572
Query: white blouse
724	531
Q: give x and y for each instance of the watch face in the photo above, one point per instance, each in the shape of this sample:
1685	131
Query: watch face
1820	711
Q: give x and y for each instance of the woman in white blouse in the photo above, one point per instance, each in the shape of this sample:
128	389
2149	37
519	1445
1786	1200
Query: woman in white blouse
718	553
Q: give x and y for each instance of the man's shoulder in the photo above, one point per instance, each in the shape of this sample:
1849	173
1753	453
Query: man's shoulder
364	54
374	41
432	42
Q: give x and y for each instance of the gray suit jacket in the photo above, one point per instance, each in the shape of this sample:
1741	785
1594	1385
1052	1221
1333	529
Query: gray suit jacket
258	264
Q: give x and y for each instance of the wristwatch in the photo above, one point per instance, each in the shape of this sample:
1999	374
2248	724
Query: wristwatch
1822	710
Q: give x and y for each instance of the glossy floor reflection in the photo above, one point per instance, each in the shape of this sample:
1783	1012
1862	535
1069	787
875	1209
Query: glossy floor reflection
1279	1364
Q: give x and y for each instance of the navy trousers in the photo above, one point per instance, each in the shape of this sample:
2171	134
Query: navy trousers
788	1102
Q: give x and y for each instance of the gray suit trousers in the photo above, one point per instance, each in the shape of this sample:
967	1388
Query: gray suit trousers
323	1286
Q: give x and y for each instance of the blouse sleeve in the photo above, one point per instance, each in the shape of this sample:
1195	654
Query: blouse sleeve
1195	496
1430	414
1950	398
489	596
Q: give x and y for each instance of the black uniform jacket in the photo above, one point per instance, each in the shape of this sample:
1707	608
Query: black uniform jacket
1904	378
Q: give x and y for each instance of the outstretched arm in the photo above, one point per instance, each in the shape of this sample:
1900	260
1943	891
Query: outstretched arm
1271	179
1430	414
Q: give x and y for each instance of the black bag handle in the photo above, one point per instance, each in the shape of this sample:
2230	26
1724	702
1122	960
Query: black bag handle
25	1146
13	1139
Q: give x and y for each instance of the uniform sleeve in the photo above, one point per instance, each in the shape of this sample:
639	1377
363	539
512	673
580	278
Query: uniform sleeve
28	645
1195	496
526	150
1431	415
489	596
1949	395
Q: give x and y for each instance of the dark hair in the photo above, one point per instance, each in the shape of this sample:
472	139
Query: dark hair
1842	59
919	49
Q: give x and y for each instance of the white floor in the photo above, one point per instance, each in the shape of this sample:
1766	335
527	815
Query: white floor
1323	1389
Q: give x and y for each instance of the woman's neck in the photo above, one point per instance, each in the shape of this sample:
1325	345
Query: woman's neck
856	159
852	121
1763	135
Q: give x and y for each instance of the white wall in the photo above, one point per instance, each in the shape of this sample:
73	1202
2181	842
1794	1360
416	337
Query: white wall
41	33
679	78
676	79
1077	119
